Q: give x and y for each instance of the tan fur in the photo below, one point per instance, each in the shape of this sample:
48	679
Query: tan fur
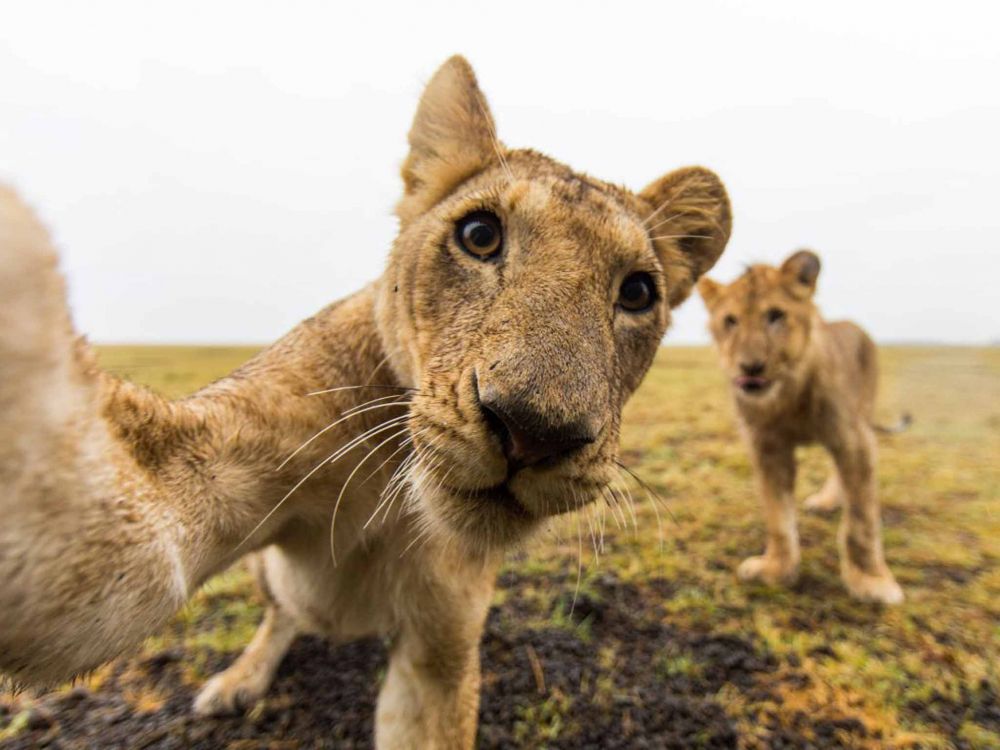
819	386
117	504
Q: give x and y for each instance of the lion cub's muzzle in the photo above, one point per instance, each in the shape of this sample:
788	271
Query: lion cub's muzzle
530	435
751	379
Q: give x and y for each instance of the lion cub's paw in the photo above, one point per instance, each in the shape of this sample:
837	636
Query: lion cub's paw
767	569
227	694
868	588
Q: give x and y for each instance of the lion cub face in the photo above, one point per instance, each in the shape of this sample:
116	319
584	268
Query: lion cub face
761	324
525	302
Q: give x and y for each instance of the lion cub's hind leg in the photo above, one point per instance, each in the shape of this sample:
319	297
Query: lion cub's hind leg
248	678
829	498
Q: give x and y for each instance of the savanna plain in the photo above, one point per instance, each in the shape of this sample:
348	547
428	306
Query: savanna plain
621	629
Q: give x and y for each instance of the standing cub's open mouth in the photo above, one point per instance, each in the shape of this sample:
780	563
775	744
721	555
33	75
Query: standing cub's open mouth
752	383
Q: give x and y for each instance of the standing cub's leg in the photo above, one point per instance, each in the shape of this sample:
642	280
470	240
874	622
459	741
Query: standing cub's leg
248	678
830	496
862	564
774	463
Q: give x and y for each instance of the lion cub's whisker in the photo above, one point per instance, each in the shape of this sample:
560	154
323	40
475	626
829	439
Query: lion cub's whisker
653	494
579	564
655	500
347	415
602	517
615	503
333	457
402	473
399	472
354	387
394	398
398	481
590	526
347	483
620	502
402	446
630	505
402	485
420	536
393	488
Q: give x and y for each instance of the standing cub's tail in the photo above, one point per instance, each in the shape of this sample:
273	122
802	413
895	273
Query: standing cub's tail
902	425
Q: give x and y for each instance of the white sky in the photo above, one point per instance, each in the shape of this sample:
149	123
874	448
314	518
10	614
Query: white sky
215	172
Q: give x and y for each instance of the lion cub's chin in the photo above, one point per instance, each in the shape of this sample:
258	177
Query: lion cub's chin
480	521
493	519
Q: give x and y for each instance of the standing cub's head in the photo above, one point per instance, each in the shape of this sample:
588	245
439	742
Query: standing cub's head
525	302
762	324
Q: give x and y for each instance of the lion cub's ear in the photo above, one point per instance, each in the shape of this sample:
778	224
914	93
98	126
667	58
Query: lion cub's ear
709	291
689	220
800	272
452	138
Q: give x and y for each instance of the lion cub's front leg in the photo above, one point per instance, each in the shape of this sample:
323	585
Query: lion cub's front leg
248	678
862	563
774	463
430	699
431	695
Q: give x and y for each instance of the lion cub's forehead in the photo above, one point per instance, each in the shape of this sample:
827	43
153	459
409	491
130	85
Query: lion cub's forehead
758	287
558	198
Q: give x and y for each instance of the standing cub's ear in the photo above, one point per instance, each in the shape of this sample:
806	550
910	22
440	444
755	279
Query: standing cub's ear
709	291
452	138
689	220
800	272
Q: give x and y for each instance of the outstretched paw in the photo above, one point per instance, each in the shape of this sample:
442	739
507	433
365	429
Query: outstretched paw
767	569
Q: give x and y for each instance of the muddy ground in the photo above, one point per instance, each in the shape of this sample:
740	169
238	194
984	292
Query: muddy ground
609	675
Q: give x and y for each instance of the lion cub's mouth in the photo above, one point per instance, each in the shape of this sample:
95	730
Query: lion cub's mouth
752	384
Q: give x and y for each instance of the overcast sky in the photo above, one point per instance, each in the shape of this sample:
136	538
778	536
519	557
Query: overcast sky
215	172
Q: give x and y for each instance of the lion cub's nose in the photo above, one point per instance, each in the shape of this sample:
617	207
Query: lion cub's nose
752	369
527	436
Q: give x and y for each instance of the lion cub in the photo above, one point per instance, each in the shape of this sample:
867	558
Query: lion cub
382	457
798	379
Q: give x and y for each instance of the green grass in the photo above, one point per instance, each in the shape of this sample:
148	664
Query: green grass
939	485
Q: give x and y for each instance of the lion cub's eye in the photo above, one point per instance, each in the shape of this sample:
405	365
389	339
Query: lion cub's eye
479	234
774	315
637	293
729	321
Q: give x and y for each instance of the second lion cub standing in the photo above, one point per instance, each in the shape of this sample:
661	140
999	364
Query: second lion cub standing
797	379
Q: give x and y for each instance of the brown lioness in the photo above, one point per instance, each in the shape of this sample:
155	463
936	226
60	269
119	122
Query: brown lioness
797	379
382	456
